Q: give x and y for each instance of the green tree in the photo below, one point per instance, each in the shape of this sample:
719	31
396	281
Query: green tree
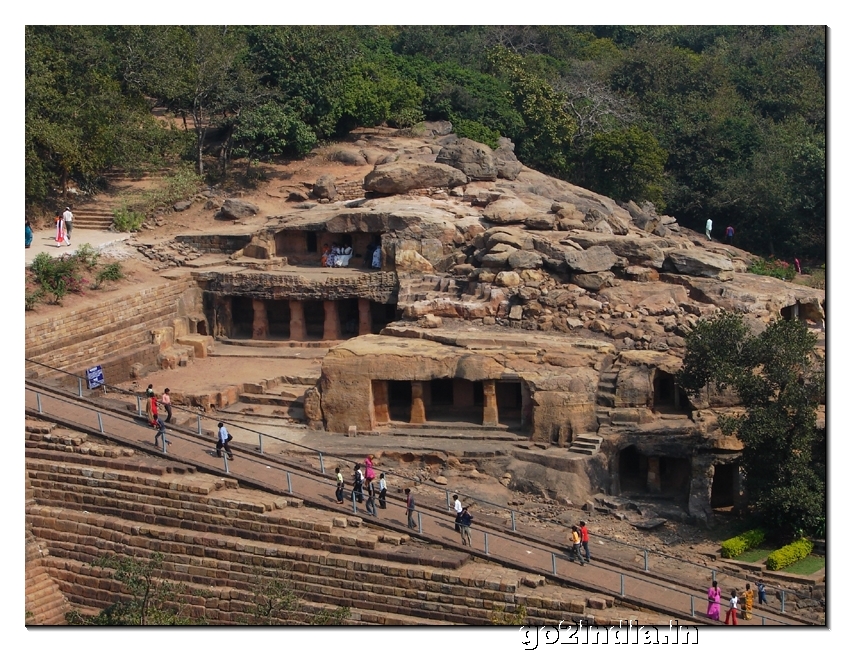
779	379
149	600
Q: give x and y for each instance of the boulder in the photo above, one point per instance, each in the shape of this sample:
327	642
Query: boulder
525	260
508	209
700	263
640	251
236	209
325	187
507	164
643	217
541	221
410	261
180	206
508	279
433	129
593	281
592	260
472	158
403	176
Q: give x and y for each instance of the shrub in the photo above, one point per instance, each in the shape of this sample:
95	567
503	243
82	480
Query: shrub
87	256
477	132
111	272
126	220
58	276
774	268
32	297
787	555
744	542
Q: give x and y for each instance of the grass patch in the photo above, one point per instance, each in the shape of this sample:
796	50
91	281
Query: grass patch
806	566
754	555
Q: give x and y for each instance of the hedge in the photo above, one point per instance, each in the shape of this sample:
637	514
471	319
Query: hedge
786	555
734	546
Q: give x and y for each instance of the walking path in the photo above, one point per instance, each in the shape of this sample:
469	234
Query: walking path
538	551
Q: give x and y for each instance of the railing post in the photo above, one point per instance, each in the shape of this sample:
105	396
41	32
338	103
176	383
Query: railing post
419	519
164	443
38	402
321	462
782	595
261	443
200	431
645	560
692	605
713	575
354	501
289	481
139	405
226	466
513	521
554	565
448	503
100	421
762	620
486	544
622	584
79	386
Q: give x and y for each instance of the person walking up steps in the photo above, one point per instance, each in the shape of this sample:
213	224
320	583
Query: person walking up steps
370	498
166	402
160	432
733	609
575	540
68	216
382	495
714	600
340	486
465	521
747	605
708	226
458	508
730	232
357	487
410	508
224	439
585	540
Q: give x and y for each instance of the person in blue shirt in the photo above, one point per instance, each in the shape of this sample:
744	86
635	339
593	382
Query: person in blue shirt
28	234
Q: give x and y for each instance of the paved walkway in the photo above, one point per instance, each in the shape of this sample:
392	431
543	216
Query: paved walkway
537	551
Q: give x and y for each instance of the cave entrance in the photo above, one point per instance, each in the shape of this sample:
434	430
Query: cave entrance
451	400
382	315
314	319
399	400
667	396
723	486
279	317
348	312
509	401
242	311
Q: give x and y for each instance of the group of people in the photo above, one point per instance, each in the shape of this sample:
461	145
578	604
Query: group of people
336	255
580	541
743	603
152	411
362	480
64	226
463	520
730	231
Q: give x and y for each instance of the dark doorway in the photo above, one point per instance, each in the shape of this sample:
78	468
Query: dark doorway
243	317
400	399
279	316
509	402
314	319
312	243
633	468
667	396
723	486
675	475
442	392
349	317
382	315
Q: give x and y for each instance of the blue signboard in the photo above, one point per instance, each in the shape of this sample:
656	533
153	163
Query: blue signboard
94	377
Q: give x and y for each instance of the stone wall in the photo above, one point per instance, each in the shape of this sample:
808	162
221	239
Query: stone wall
227	244
116	333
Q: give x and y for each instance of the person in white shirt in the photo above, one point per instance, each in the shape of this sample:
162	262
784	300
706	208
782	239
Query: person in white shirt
458	509
382	495
224	439
708	226
68	216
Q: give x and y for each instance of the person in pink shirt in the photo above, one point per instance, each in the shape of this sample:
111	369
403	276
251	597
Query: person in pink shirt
370	470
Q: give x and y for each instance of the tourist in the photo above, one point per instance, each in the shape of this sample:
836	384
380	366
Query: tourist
370	498
733	609
575	541
714	600
376	258
382	495
224	439
340	486
465	521
762	593
166	402
160	431
149	396
28	234
585	540
708	226
61	236
68	216
747	595
325	252
409	508
154	410
357	488
730	231
370	470
370	251
458	508
797	266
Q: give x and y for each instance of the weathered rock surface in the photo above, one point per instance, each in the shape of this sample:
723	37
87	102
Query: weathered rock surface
700	263
472	158
237	209
325	187
403	176
507	210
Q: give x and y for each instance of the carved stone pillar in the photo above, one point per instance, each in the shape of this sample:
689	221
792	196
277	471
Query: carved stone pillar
332	332
261	321
381	399
297	329
364	308
653	474
417	405
491	409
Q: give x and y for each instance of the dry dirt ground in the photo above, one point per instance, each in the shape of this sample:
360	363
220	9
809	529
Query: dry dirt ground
679	540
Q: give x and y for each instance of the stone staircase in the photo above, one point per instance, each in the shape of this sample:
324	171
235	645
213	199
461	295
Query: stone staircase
446	296
586	443
221	538
98	212
44	601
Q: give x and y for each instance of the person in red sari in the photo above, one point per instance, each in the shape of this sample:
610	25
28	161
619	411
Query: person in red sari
61	233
